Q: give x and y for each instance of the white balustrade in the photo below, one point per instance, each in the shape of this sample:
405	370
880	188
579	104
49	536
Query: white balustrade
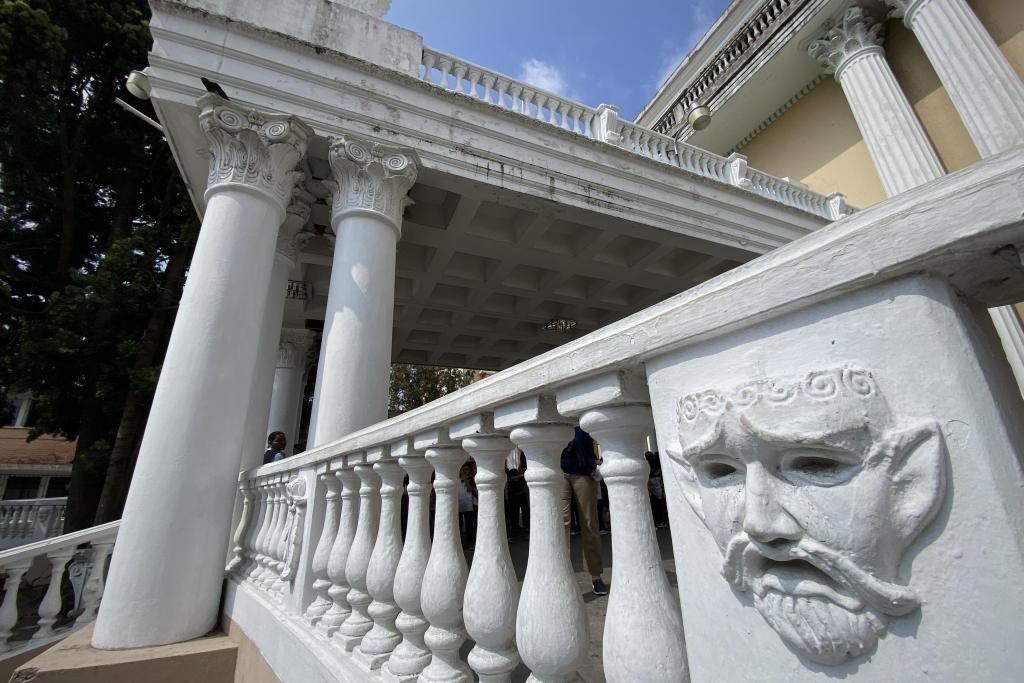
492	589
411	655
377	645
731	375
444	579
30	520
49	559
358	623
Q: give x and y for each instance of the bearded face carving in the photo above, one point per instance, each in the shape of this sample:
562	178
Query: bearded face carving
812	491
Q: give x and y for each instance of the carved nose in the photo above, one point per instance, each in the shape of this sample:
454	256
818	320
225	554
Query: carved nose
764	517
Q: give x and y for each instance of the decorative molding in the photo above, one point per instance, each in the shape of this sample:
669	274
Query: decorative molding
767	21
777	113
858	33
296	491
843	486
255	150
369	177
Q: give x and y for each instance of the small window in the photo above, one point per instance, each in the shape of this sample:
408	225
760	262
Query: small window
19	488
58	487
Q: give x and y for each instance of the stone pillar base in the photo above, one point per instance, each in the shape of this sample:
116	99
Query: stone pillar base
73	660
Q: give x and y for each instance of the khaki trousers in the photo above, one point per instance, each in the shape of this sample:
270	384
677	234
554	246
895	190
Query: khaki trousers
584	487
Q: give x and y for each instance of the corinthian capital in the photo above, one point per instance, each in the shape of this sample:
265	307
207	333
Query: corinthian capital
252	149
904	9
856	33
371	178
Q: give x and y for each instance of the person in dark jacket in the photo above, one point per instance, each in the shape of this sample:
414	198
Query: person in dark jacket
579	463
276	443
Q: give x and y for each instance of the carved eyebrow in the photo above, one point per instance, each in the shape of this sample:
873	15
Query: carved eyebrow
824	438
692	451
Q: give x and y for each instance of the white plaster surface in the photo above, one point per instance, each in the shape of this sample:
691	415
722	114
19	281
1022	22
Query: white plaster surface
932	358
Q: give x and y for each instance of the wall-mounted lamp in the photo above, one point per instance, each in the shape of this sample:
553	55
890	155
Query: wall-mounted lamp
699	117
138	85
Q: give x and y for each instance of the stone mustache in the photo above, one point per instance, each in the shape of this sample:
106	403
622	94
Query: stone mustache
813	490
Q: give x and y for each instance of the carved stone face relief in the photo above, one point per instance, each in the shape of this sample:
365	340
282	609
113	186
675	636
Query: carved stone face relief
812	490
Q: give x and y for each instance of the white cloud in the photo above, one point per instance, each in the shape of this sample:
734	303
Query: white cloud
543	75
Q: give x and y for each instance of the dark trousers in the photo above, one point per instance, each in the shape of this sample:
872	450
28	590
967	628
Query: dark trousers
467	528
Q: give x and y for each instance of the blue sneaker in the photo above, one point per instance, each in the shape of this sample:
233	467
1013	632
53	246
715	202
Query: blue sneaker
600	587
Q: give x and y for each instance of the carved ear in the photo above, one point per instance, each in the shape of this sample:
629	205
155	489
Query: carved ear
917	469
687	479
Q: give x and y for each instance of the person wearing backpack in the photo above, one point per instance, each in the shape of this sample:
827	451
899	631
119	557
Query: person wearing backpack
579	464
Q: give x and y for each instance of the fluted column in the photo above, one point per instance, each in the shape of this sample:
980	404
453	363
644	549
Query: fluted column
166	573
989	95
895	138
321	583
359	623
289	242
643	627
370	185
444	580
492	589
286	400
411	655
377	645
983	86
339	610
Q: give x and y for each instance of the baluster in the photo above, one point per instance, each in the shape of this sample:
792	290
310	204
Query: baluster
9	607
338	592
429	59
269	524
643	628
243	527
321	584
460	73
92	592
474	80
358	623
444	580
412	655
551	624
382	639
588	124
263	522
49	608
527	101
501	87
516	102
445	65
540	99
492	589
280	513
488	83
577	124
563	111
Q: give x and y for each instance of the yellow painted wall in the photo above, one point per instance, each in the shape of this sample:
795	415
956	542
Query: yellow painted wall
817	141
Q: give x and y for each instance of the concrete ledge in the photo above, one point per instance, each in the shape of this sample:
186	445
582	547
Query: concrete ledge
205	660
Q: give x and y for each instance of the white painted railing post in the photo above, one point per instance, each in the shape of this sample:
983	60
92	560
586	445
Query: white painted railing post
49	608
444	580
411	655
255	552
492	589
608	124
358	623
377	645
9	607
643	627
321	584
244	525
338	592
273	537
551	623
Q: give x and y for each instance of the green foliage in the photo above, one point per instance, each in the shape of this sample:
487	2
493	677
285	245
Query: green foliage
415	385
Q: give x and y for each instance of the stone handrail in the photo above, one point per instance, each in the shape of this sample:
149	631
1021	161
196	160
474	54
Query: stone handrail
603	124
319	542
31	519
82	557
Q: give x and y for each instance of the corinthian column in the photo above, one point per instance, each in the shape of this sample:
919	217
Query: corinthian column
166	573
984	88
286	400
370	183
289	241
895	139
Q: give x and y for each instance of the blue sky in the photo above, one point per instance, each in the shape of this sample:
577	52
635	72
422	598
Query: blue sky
594	52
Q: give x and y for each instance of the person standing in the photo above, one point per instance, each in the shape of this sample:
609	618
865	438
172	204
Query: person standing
468	498
579	463
276	442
